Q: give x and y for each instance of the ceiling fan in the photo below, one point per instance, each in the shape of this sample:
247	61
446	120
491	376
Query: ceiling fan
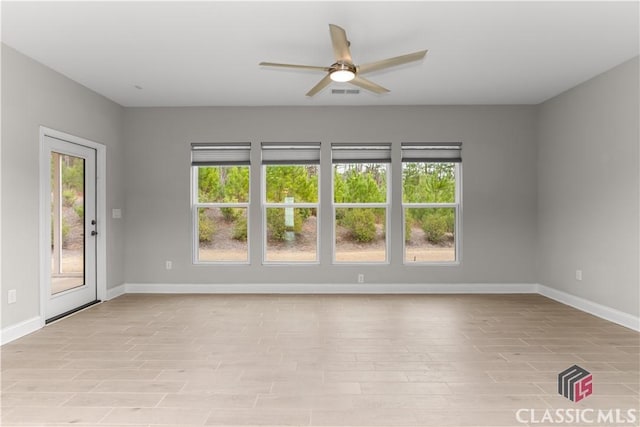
344	70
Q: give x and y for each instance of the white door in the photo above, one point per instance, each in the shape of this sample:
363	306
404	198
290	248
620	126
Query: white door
71	283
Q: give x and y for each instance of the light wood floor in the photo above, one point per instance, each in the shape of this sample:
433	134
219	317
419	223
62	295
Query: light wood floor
419	360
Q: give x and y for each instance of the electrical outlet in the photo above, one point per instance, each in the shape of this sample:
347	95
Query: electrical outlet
360	278
578	274
168	265
11	296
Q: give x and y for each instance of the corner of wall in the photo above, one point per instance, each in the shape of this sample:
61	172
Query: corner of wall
589	128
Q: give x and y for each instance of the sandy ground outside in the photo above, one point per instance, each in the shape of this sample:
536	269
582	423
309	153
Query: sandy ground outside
412	255
226	249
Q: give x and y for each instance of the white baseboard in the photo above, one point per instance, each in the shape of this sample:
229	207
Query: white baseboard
21	329
598	310
331	288
116	291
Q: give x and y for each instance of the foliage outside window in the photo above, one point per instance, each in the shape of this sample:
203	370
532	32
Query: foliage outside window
360	212
71	176
221	213
430	205
291	211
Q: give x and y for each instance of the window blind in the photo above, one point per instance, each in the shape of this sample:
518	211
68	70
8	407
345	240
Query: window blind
218	154
275	153
434	152
361	153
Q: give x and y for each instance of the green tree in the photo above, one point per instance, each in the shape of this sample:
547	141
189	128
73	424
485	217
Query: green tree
429	183
240	229
206	226
276	225
219	184
299	182
234	181
72	169
209	189
435	228
360	183
361	223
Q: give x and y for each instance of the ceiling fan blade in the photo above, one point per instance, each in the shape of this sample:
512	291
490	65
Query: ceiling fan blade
321	85
340	44
368	85
304	67
391	62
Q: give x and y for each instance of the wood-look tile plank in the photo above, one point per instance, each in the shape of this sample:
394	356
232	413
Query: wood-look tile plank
413	388
297	401
35	373
371	417
337	388
46	415
139	386
54	386
115	400
198	400
42	399
118	374
157	416
259	417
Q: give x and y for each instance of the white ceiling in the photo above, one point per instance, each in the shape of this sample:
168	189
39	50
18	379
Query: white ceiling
207	53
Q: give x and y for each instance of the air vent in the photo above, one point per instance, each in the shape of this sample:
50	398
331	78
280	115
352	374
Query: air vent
345	91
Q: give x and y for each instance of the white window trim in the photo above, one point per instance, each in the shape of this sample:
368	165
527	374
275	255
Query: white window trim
457	206
195	205
387	217
266	205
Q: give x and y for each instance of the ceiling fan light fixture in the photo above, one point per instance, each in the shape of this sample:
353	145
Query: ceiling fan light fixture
342	72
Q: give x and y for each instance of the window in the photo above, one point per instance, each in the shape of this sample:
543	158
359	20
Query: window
431	202
220	208
360	202
290	202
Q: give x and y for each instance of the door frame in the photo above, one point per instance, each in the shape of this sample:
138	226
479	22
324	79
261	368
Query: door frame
101	217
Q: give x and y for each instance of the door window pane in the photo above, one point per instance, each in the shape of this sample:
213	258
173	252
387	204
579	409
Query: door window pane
67	222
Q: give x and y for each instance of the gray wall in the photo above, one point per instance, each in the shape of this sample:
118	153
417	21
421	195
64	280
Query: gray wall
499	191
34	95
588	188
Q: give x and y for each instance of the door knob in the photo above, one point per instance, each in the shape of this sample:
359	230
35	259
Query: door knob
94	233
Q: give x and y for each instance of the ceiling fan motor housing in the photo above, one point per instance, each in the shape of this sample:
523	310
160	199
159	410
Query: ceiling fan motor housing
342	72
